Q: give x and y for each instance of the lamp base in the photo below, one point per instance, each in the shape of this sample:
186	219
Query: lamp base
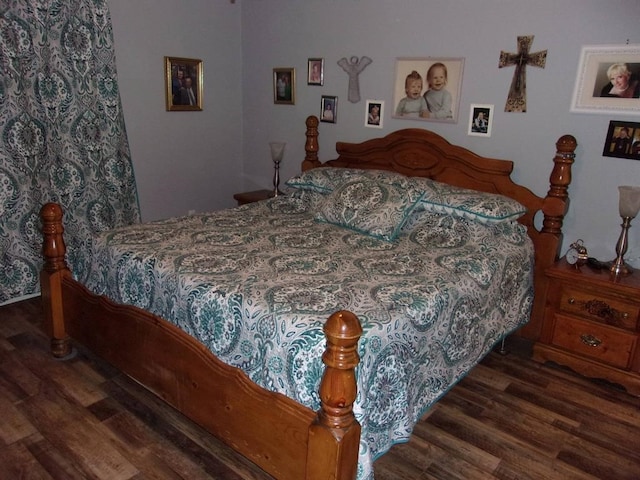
620	270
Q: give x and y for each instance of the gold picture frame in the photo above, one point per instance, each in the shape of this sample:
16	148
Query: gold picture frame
183	84
284	86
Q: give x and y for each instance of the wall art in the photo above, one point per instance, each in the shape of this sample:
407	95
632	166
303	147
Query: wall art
428	88
183	84
284	86
623	140
608	80
480	120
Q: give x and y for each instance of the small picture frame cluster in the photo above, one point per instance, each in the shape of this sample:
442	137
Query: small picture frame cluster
284	86
623	140
329	109
373	114
183	84
480	120
315	71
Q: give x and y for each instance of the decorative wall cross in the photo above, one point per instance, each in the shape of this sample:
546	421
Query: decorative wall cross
517	99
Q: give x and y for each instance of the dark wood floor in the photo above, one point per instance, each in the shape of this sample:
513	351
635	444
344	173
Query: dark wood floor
510	418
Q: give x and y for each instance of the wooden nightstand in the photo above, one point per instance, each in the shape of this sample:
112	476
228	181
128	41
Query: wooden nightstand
591	324
250	197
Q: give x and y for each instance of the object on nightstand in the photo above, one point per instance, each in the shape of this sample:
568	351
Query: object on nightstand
628	207
577	254
277	152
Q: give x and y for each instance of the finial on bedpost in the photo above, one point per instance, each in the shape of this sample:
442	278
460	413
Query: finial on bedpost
336	434
311	146
54	269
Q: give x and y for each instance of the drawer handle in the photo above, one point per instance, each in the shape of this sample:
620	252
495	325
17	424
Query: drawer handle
590	340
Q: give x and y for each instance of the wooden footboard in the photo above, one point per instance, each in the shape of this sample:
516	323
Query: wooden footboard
284	438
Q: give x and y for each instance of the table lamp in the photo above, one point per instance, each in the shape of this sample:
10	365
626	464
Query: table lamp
628	207
277	152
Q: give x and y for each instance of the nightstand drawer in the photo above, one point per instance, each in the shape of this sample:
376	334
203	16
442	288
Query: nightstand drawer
605	344
599	308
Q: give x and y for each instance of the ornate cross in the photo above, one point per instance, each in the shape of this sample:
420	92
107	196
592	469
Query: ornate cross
517	99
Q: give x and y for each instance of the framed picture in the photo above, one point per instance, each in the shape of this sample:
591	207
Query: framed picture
329	109
183	84
315	71
373	114
623	140
428	89
480	120
284	86
608	80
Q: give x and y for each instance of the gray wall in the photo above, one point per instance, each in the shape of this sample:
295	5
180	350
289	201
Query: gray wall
187	161
182	160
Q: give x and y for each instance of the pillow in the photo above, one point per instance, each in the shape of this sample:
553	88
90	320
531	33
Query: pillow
327	179
462	202
377	208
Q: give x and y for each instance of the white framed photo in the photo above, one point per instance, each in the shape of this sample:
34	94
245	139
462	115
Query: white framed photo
480	120
608	80
373	113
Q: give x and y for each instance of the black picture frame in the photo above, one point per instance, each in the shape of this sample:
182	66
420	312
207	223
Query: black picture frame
329	109
623	140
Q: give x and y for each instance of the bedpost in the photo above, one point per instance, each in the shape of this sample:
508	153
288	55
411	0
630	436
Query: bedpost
54	270
311	146
334	437
554	208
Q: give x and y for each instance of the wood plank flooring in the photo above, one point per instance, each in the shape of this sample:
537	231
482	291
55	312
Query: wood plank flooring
510	418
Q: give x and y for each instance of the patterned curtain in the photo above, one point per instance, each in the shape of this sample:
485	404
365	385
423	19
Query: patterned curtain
63	137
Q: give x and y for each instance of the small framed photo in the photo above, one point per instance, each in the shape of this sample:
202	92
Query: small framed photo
608	80
480	120
428	89
329	109
623	140
183	84
315	71
284	86
373	114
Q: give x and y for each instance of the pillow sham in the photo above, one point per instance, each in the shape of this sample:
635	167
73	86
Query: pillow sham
327	179
374	207
463	202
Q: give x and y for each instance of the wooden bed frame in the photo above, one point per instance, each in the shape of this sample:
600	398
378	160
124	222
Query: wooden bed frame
284	438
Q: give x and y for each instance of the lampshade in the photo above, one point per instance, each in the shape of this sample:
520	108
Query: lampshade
629	201
277	150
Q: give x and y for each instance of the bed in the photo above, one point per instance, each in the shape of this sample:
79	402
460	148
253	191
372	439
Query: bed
299	384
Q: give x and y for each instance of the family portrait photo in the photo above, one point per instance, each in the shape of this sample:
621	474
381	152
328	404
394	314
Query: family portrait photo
480	120
183	84
623	140
428	88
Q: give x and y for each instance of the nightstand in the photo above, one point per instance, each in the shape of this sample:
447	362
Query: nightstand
591	324
250	197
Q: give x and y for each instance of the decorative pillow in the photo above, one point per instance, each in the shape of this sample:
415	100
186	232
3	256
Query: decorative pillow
462	202
377	208
327	179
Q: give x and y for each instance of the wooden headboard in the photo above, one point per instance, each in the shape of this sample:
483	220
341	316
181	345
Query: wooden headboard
422	153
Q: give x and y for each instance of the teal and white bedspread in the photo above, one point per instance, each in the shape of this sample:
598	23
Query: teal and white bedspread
256	283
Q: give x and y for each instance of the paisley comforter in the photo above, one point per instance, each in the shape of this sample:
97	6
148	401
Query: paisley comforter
256	283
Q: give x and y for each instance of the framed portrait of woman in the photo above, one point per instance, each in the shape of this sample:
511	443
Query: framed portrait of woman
608	80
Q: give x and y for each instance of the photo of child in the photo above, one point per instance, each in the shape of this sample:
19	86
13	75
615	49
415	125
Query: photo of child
438	98
438	81
413	104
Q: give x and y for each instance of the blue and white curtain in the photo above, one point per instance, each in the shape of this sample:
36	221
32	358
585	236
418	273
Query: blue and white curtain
62	133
